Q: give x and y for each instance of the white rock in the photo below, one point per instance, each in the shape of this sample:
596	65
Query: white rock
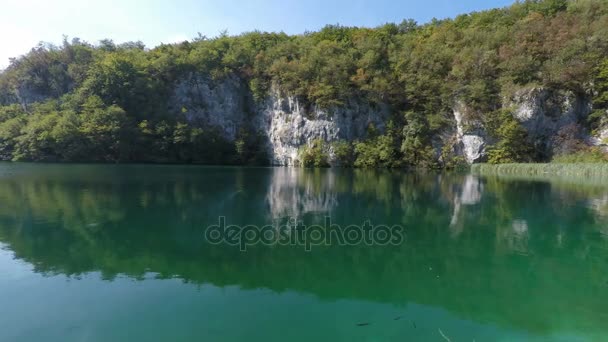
288	126
473	144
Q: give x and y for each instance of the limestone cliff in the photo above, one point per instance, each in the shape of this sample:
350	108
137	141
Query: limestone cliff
471	138
544	112
286	122
541	112
290	125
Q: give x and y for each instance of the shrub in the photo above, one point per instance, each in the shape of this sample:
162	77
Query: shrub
314	154
513	145
588	155
344	153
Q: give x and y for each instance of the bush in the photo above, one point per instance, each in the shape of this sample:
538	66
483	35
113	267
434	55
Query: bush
588	155
377	152
513	145
314	154
344	153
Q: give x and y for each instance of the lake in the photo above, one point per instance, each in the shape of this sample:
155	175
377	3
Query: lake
123	253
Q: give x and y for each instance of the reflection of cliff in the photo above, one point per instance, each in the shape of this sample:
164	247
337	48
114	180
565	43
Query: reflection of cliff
294	192
515	237
469	194
506	251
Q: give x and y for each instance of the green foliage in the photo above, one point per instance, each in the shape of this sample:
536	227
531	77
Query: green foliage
104	130
416	146
512	146
600	101
602	85
120	78
378	151
458	164
10	130
314	154
111	102
250	148
599	170
589	155
344	153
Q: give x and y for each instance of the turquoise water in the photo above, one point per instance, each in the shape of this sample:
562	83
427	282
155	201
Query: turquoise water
119	253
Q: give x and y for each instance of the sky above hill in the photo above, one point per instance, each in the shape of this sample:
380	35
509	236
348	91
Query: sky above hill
24	23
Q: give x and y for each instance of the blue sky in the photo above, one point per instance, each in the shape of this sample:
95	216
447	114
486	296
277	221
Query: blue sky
24	23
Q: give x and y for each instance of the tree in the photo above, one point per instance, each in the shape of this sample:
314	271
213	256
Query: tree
599	116
378	151
104	130
512	146
416	146
344	153
315	154
110	102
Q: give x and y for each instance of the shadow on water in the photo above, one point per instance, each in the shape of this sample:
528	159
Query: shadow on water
524	254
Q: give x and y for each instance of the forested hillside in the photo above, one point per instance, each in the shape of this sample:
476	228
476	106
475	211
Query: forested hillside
109	102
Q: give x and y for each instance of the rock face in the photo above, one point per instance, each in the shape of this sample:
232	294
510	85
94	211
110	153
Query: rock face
543	112
290	125
600	138
24	96
286	122
471	136
221	104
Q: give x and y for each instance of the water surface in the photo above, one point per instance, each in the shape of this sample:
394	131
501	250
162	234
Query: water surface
118	253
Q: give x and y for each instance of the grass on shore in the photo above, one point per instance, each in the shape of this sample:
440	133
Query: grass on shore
566	169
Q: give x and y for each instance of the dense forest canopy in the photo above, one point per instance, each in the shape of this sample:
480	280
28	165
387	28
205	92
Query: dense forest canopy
108	102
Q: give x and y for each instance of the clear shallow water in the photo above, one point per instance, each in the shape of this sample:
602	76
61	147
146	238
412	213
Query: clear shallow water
99	253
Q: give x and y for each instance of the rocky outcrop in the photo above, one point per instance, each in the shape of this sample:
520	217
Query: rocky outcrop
600	137
543	112
221	104
290	125
287	123
23	95
471	136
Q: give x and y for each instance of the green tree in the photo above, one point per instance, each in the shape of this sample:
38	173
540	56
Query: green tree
344	153
416	146
105	130
315	154
513	145
378	151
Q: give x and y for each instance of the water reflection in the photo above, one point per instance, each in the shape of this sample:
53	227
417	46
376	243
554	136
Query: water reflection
480	248
295	192
468	194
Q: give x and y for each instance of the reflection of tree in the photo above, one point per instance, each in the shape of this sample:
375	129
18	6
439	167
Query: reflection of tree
133	223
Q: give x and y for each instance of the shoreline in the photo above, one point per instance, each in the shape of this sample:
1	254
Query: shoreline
595	170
